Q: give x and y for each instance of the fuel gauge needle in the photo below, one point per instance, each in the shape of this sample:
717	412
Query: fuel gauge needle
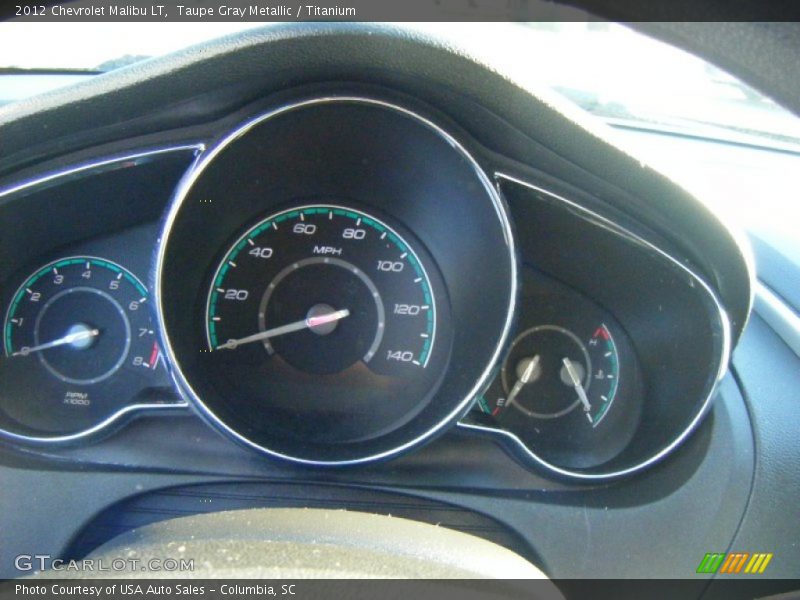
522	381
576	383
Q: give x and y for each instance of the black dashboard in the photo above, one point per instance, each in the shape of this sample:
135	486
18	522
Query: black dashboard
374	284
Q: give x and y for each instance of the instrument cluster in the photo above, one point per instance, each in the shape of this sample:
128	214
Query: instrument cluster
339	280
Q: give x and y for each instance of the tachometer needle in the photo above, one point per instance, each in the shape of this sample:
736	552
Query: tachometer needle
576	383
70	338
522	381
308	323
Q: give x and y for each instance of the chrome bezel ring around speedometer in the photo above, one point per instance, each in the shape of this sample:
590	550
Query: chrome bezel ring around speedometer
450	406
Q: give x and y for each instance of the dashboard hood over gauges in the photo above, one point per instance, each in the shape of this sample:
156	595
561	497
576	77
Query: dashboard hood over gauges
383	229
208	83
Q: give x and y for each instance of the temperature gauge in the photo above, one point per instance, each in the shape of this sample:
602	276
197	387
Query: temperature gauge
569	387
550	372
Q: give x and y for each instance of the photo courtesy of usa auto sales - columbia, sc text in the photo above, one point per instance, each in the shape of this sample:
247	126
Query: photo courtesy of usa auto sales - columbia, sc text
135	589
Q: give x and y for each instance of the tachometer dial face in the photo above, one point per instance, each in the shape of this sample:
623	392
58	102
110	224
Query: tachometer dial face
325	320
78	345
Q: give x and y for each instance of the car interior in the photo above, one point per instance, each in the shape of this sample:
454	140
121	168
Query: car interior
344	299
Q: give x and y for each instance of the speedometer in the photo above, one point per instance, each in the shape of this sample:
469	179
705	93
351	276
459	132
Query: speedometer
325	289
335	281
329	315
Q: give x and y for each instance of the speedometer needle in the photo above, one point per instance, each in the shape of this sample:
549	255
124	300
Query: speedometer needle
70	338
576	383
307	323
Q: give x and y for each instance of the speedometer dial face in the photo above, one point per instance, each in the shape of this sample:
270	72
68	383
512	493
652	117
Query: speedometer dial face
373	305
322	321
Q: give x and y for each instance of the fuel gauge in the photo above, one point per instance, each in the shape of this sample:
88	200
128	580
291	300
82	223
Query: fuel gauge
569	387
550	373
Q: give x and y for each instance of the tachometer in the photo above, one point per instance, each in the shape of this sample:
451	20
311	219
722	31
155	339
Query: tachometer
79	344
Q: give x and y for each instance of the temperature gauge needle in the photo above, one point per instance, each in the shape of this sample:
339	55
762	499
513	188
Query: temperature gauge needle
522	381
307	323
70	338
576	383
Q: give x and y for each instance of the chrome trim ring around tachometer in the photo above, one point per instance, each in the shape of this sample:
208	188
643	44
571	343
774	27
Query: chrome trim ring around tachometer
517	446
84	169
185	186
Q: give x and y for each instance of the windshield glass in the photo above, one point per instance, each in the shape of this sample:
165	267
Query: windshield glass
628	78
100	46
607	69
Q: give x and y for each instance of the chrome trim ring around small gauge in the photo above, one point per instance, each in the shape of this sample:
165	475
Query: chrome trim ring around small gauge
518	446
83	169
185	186
587	361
